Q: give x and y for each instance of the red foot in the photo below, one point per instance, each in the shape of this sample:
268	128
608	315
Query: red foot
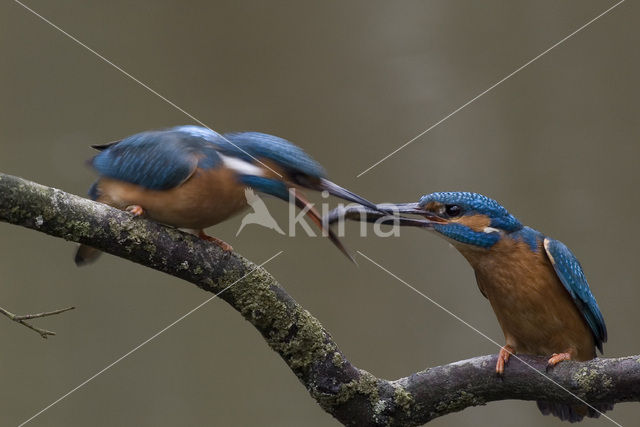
503	358
223	245
557	358
135	210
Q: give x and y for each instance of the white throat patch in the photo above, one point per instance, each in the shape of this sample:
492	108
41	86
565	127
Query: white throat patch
491	230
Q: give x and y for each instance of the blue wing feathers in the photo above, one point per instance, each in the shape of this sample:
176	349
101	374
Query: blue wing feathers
570	272
163	159
159	160
279	150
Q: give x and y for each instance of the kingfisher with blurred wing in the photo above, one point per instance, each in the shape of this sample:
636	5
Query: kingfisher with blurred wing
534	283
191	177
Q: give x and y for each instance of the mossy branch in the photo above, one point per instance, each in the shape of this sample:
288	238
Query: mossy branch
350	394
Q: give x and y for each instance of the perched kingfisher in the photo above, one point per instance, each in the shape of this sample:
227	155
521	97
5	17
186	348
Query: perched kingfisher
534	283
192	177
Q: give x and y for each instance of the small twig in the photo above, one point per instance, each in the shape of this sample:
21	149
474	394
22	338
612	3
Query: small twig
44	333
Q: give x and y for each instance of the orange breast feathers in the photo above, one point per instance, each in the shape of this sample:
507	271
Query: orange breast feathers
536	313
205	199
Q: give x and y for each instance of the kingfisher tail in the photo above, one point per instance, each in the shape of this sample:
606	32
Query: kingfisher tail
86	255
572	413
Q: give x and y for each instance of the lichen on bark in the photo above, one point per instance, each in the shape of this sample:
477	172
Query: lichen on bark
351	395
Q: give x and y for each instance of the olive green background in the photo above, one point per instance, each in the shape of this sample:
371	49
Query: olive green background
557	144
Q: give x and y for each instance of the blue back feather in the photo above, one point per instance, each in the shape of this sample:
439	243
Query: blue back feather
159	160
570	272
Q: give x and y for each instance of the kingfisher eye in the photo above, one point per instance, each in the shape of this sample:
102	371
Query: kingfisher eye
453	210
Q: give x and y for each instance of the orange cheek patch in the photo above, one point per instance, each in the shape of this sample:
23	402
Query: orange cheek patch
433	206
474	222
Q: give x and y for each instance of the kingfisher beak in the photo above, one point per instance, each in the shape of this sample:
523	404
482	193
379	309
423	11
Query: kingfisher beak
386	213
343	193
412	209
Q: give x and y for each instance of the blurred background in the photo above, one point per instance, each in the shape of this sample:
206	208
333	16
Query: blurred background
557	144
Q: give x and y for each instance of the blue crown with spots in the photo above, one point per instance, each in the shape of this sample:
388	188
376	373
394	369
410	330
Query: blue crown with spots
476	203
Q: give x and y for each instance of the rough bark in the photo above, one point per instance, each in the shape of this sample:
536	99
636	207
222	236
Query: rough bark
350	394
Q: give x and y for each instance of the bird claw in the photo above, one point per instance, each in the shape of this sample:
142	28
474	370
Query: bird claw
135	210
555	359
503	359
221	243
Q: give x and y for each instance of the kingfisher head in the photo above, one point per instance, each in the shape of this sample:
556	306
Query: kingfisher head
462	217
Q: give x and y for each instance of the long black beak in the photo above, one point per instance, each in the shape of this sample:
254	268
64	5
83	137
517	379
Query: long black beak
385	213
402	208
302	203
343	193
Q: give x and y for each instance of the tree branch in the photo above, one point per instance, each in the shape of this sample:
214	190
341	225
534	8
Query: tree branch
350	394
22	319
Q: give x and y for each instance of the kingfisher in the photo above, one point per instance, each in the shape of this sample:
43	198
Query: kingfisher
191	177
535	284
